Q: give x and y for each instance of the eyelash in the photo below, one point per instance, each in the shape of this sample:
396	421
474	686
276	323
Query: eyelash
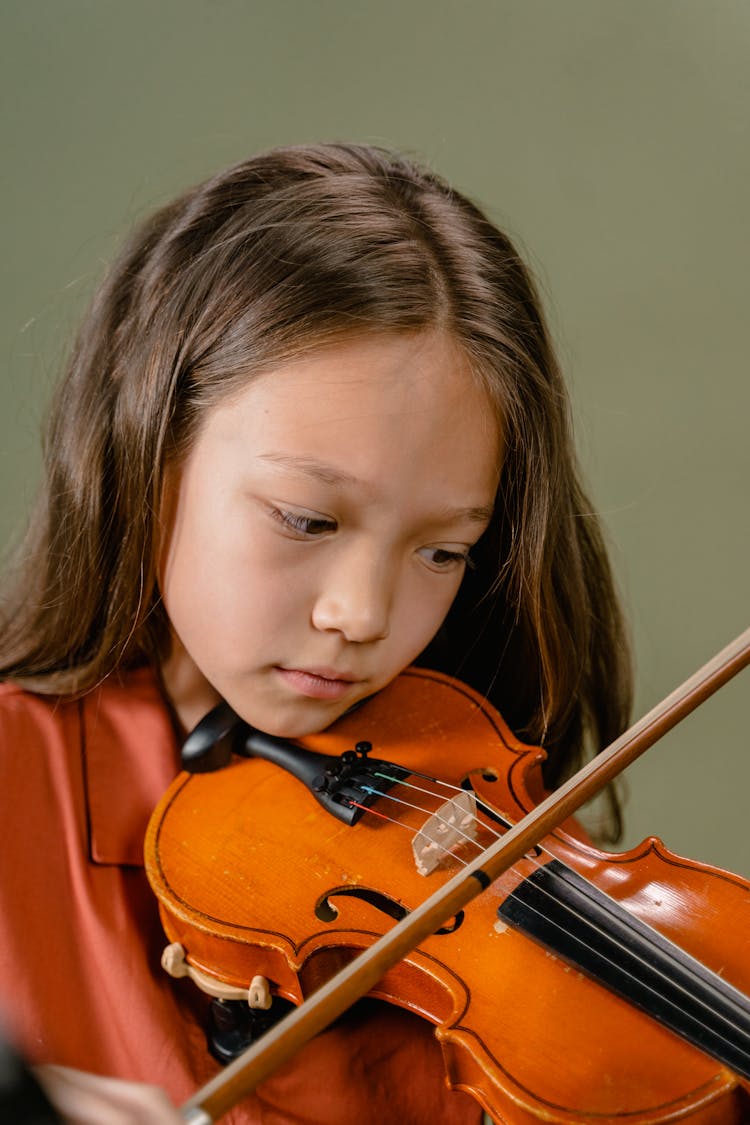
313	526
303	525
450	558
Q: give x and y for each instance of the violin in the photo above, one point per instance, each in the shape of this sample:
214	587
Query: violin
566	984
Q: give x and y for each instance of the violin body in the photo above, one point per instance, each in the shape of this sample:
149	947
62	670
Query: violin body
254	877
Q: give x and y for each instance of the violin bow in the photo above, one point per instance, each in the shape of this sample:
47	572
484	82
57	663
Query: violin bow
329	1001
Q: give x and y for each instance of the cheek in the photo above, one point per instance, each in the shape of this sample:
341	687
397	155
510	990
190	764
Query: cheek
423	608
226	590
231	584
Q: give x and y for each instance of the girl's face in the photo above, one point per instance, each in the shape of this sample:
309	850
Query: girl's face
318	530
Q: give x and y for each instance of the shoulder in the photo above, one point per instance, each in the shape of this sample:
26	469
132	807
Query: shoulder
122	705
27	715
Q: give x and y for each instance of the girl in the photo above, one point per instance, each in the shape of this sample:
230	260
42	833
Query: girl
312	431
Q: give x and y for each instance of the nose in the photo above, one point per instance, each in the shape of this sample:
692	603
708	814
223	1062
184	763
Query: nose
355	597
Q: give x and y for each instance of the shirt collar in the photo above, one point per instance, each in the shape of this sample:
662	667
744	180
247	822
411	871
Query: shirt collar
130	755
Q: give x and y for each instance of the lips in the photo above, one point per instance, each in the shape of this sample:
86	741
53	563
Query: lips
317	683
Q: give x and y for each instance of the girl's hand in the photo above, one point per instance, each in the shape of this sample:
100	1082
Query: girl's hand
88	1099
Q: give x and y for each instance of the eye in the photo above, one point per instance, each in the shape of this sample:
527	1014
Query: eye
302	523
444	558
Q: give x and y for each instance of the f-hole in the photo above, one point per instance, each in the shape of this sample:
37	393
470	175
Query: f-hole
326	911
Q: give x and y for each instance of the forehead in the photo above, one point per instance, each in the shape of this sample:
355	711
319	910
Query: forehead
371	408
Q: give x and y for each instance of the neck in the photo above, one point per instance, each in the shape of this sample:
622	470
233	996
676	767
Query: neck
189	692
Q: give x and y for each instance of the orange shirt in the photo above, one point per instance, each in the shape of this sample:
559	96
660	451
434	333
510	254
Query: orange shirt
80	939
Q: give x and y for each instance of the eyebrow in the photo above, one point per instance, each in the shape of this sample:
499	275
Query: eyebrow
319	470
329	474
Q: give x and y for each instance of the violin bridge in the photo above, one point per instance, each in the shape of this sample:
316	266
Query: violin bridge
453	824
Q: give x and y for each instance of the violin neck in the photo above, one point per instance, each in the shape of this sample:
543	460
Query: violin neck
566	914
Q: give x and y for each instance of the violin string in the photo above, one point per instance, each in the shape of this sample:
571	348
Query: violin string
420	809
535	861
579	915
447	785
433	816
393	820
454	788
467	838
532	858
733	1025
380	815
576	914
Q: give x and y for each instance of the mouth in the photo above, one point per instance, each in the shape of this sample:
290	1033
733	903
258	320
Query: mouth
317	683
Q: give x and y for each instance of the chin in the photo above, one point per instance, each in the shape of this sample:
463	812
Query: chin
293	725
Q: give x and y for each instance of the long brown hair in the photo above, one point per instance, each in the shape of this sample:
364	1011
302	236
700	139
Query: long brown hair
283	253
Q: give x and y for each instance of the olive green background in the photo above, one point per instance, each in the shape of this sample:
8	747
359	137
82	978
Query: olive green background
610	138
